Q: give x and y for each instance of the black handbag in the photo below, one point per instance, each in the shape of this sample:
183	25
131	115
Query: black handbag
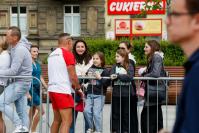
156	93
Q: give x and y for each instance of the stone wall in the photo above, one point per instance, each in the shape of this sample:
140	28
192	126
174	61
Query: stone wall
46	19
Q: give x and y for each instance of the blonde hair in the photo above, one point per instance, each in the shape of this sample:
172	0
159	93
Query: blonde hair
3	44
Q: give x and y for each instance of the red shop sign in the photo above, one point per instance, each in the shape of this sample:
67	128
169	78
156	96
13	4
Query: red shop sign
125	7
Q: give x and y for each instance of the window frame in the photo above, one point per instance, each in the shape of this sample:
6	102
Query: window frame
20	15
72	14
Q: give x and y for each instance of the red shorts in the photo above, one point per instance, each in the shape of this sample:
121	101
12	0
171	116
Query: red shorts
61	101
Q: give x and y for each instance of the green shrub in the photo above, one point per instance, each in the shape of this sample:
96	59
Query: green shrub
173	55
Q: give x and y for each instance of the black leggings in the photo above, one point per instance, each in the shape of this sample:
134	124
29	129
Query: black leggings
125	116
151	122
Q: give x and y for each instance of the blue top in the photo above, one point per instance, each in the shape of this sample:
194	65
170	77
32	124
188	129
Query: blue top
36	72
188	107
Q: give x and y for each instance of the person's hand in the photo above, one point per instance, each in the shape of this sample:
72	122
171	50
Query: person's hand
98	75
113	76
80	93
163	131
141	71
29	97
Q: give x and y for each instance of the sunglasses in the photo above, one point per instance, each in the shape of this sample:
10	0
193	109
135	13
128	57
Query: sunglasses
121	48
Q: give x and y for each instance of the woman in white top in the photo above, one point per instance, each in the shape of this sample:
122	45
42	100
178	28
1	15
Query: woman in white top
82	56
4	63
83	63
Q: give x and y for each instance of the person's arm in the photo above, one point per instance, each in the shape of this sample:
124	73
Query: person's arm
73	77
127	77
17	60
156	67
43	82
191	102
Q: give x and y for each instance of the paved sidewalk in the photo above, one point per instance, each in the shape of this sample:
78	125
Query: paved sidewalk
170	117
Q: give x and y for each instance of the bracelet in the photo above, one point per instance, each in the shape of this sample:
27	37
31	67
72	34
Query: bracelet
77	89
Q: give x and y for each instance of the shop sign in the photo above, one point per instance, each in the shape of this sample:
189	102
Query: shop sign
126	7
147	27
122	26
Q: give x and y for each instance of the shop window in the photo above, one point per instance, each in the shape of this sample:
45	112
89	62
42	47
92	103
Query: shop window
72	19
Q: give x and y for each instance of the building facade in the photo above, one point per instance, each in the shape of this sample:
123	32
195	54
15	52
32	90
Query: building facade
43	20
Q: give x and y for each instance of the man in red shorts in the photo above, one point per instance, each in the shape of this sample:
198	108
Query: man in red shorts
62	76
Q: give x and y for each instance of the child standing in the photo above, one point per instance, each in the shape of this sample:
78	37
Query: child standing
96	91
124	102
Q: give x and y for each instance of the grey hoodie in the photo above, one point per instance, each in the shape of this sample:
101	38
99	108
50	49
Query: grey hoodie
21	61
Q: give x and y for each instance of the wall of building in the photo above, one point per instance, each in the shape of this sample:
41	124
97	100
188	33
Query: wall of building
45	19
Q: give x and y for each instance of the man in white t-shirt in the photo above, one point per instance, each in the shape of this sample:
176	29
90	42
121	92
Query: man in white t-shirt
62	76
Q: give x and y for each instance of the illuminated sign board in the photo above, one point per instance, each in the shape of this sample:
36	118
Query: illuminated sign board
126	7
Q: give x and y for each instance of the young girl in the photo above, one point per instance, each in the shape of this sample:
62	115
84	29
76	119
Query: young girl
152	109
96	91
4	63
124	101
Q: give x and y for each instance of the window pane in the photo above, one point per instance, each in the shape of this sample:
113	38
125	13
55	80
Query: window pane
68	24
67	9
14	21
23	24
22	9
75	9
76	25
14	9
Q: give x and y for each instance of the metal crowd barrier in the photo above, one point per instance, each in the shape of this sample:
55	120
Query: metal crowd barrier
11	80
46	120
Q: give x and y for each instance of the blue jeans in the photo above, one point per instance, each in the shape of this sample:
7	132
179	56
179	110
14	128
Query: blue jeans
15	93
93	111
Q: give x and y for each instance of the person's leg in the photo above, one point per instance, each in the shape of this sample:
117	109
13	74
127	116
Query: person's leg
21	108
32	111
2	124
160	118
144	120
134	126
125	117
98	111
66	117
36	118
74	116
6	98
56	122
115	115
88	112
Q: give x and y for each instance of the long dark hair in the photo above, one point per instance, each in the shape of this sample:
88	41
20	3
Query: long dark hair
124	54
155	46
86	57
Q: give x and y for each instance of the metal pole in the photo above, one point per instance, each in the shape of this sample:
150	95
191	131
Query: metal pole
18	13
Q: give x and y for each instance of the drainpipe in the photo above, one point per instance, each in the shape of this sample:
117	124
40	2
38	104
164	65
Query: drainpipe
18	13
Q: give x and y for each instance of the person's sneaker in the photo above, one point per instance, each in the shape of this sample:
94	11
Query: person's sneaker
21	129
89	130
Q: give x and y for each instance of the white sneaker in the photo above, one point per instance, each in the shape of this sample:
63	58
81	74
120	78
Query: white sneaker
89	130
20	129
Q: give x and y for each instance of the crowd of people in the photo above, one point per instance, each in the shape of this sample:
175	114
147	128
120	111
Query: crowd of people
68	62
64	87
